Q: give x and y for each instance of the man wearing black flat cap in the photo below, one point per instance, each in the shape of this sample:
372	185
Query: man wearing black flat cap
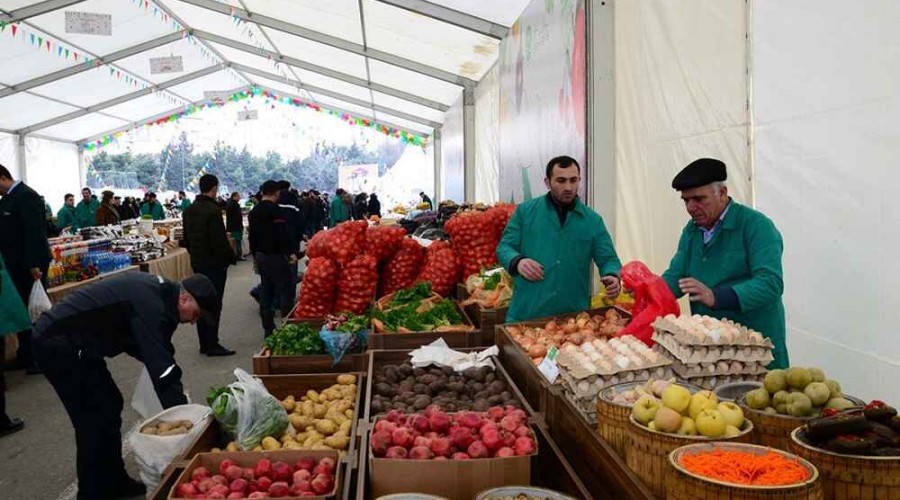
729	257
134	313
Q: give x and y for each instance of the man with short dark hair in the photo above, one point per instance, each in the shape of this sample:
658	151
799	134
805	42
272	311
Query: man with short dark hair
23	243
274	254
548	246
426	199
133	313
152	207
185	203
66	217
207	243
338	211
234	223
86	211
729	257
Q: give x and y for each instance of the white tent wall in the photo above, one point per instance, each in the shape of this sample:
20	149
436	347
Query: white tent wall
9	154
826	143
53	169
487	131
681	94
452	168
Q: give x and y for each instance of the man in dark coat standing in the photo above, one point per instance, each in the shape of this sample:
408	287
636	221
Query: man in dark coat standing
24	247
234	223
205	239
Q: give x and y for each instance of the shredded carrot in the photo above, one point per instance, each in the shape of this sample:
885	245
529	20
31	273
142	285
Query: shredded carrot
770	469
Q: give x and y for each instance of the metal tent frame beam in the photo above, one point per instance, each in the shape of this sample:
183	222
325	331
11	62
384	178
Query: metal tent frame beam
336	95
119	100
450	16
80	68
314	68
35	10
332	41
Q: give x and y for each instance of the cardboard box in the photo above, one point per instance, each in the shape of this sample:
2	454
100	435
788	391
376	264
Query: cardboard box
249	459
451	479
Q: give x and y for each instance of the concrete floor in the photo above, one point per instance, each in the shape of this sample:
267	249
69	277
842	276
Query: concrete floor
39	462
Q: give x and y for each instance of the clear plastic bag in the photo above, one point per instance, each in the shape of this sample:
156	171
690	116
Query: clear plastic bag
247	411
38	301
340	343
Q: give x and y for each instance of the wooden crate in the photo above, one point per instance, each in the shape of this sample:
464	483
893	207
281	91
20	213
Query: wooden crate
379	358
483	319
599	467
316	322
169	477
265	363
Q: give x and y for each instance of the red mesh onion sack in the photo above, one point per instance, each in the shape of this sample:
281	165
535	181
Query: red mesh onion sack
318	290
441	268
403	268
357	284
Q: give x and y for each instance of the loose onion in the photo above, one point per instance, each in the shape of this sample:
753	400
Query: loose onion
537	350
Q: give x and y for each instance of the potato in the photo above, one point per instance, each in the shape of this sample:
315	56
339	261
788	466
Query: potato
258	448
187	424
288	404
312	396
286	437
300	422
311	441
319	411
346	427
291	445
326	427
337	442
232	446
151	430
348	413
301	437
308	408
337	418
166	426
269	443
320	446
346	379
216	450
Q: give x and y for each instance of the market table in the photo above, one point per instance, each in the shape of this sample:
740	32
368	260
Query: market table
57	293
174	266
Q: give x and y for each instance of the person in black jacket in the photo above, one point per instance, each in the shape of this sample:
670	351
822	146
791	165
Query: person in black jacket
234	223
207	243
134	313
23	243
374	205
361	207
274	254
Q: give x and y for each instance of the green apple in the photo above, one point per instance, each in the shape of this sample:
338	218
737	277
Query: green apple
667	420
817	375
776	380
799	405
771	411
835	389
652	426
645	409
798	378
839	404
688	427
676	397
703	400
711	423
818	393
733	414
758	399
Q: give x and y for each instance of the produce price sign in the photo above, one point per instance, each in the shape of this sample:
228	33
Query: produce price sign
548	365
172	64
88	23
247	115
218	97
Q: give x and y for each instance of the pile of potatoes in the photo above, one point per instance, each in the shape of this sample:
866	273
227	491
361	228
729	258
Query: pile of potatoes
171	428
319	420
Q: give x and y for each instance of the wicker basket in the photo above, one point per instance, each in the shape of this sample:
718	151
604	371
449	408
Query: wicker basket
648	451
775	430
684	485
851	476
612	421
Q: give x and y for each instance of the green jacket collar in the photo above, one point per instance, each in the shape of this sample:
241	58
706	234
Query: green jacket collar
730	220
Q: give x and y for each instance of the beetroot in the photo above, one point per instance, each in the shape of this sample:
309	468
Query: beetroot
487	427
281	471
215	495
421	423
422	441
509	423
301	475
523	431
200	473
258	494
206	484
279	489
440	458
432	409
323	469
396	416
236	494
220	479
306	464
187	490
524	446
381	441
224	465
238	485
264	483
506	451
263	469
441	447
495	413
478	450
329	463
220	489
439	421
461	437
322	484
421	453
248	473
385	425
396	452
460	456
469	419
492	439
234	472
402	437
300	487
518	414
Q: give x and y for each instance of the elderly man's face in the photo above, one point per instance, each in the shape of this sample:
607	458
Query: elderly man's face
705	204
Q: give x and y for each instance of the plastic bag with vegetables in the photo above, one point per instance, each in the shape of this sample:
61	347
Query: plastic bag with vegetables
247	412
345	333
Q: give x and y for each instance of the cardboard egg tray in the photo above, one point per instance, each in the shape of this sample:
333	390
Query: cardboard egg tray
728	333
692	354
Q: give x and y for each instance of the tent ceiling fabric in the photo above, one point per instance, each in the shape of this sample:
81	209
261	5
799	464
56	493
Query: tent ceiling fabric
403	62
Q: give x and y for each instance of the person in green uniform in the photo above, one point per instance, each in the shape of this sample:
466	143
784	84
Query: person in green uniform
86	211
185	202
152	207
338	212
66	217
548	247
729	257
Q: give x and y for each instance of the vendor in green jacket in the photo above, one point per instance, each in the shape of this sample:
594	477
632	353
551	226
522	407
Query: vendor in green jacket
729	257
152	207
86	211
338	212
66	217
185	203
548	247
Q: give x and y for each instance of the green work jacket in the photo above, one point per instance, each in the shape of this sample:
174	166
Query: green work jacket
565	252
86	213
338	211
744	255
66	217
153	209
185	204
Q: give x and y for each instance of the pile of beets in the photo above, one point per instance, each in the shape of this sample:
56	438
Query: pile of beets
436	435
308	478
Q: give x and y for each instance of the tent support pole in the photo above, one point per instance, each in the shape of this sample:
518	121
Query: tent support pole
469	144
23	170
436	140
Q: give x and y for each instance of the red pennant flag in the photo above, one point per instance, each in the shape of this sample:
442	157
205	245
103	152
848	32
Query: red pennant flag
14	29
48	45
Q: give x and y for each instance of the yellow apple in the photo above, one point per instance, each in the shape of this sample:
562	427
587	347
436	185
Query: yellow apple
733	414
703	400
676	397
711	423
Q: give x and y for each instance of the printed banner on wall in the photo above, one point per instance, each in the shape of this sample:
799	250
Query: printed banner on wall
542	95
358	178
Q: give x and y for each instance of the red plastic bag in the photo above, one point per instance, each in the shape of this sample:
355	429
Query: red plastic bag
357	284
473	237
317	292
403	268
440	268
652	299
382	242
347	241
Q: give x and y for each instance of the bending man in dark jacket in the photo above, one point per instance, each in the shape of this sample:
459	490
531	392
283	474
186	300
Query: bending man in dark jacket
134	313
205	239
